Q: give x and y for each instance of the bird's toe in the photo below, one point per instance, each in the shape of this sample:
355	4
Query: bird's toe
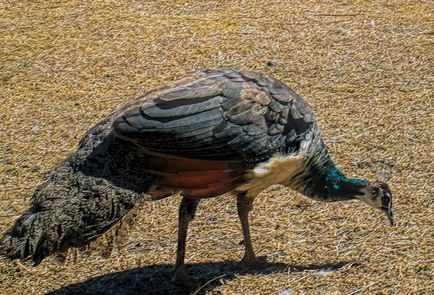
181	278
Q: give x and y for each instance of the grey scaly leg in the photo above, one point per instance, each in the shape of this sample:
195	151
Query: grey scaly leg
244	205
187	210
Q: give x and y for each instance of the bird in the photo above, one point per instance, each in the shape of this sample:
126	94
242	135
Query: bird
212	132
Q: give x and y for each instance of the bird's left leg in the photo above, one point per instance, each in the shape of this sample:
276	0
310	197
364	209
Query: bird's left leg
244	206
187	211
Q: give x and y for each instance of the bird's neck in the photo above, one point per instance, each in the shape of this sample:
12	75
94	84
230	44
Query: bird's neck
323	181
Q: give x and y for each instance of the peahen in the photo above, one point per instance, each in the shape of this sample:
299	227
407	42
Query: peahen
209	133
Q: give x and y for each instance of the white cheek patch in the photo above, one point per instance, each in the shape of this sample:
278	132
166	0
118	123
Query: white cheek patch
372	200
378	202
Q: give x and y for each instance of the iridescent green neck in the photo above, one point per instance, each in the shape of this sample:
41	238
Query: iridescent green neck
323	181
338	183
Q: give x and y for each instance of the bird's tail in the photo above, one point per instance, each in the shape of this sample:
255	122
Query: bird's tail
80	199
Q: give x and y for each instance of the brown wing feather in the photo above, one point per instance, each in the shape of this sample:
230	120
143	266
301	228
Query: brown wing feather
218	115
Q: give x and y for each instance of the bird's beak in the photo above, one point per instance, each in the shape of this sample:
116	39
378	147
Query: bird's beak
390	216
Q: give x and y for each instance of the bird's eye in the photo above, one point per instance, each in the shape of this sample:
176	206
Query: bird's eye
386	200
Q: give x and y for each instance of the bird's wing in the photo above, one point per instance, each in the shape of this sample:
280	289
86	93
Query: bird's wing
217	115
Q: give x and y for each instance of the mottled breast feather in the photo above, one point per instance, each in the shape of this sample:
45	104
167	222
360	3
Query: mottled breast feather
223	114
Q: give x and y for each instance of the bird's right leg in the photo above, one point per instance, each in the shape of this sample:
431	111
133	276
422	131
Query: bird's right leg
187	211
244	206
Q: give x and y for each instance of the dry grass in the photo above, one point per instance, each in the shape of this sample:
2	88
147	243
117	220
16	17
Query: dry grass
366	67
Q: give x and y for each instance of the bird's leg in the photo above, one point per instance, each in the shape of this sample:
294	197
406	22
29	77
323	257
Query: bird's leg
244	205
187	210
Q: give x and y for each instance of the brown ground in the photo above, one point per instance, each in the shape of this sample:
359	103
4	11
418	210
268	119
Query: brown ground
367	70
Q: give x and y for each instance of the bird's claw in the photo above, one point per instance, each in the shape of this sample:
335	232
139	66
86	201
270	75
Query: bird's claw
249	261
181	278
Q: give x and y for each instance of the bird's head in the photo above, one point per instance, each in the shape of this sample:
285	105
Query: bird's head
378	195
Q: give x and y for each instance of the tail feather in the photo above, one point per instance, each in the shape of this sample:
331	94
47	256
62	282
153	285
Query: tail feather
80	199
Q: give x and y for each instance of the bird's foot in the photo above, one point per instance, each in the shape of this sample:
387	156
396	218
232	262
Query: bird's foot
250	261
181	278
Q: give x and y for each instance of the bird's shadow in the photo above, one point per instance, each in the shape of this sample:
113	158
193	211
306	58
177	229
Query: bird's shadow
156	279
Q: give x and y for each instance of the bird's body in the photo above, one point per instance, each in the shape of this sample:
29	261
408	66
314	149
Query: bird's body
226	130
210	133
